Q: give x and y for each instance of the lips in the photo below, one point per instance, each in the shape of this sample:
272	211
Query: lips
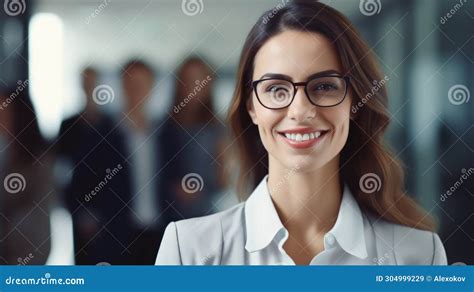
302	138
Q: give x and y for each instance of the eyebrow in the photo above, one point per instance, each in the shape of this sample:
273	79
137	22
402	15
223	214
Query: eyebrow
286	77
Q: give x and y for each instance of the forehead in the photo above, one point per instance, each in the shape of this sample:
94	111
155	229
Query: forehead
296	54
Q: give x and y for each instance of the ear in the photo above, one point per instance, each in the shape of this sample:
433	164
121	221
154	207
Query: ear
251	110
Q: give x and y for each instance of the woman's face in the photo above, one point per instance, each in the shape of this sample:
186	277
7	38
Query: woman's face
298	55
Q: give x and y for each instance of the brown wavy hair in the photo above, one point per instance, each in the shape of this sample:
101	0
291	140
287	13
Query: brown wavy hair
364	151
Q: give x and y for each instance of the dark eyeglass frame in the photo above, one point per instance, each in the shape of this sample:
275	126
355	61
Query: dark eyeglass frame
346	79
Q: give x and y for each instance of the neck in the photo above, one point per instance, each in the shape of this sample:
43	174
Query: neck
306	200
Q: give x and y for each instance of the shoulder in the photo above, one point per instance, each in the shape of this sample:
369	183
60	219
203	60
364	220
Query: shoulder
211	226
408	245
200	241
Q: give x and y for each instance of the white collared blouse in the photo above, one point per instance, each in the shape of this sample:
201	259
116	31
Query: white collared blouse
251	233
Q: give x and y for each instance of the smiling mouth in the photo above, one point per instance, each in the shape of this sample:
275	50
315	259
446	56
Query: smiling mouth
303	137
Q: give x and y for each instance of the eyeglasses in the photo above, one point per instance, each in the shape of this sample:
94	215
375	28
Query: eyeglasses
322	91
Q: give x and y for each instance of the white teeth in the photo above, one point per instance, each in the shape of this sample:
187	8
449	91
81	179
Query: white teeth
302	137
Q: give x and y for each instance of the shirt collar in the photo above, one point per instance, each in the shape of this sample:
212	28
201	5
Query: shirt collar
262	222
261	219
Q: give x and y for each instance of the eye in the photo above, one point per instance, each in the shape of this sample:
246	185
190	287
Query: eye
276	88
324	87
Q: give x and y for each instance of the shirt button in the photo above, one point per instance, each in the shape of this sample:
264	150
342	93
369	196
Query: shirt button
330	240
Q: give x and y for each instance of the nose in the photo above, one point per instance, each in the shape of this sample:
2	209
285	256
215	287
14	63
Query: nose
301	108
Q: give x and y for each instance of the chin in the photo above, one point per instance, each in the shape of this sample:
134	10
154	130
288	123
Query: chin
303	163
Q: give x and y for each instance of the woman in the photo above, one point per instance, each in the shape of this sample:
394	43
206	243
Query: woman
192	139
26	195
333	193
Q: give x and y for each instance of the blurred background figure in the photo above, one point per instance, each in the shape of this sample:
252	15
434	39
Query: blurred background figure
192	144
26	196
140	139
84	155
113	194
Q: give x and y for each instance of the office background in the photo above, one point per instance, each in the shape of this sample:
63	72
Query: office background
425	49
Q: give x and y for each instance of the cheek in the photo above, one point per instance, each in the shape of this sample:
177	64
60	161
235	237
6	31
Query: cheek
339	119
340	115
267	121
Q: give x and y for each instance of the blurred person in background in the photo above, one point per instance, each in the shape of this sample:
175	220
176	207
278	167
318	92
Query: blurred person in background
193	140
113	194
26	194
143	163
85	151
